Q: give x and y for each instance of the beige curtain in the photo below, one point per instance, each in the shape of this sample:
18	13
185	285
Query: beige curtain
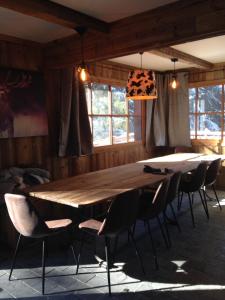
75	134
167	118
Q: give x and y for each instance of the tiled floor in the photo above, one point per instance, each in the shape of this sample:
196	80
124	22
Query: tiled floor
194	268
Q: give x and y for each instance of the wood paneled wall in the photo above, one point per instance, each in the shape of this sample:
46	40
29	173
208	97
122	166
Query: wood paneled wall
42	151
214	76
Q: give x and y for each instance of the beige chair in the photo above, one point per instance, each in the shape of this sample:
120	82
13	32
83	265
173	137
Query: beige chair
29	224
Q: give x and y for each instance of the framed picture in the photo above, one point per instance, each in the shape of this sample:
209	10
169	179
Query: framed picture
22	104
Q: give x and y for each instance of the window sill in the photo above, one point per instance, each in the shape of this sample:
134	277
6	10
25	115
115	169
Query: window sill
116	147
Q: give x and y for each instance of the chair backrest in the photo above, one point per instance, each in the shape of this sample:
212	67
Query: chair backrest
121	214
24	217
160	199
212	172
197	179
173	186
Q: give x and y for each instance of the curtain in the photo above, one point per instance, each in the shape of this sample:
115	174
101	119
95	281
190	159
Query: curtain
167	118
178	122
75	134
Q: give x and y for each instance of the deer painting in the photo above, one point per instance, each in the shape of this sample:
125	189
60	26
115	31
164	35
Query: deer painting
18	96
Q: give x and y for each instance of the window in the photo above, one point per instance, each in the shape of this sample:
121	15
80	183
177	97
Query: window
206	107
113	119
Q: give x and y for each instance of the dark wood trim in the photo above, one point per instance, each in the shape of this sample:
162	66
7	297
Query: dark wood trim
179	22
19	41
55	13
170	52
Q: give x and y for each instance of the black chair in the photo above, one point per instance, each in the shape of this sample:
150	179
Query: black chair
172	194
119	218
29	224
151	207
192	183
211	176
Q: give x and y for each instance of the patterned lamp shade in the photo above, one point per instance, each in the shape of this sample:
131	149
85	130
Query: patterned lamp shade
141	85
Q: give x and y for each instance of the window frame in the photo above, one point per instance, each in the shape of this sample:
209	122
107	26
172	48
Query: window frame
196	114
126	115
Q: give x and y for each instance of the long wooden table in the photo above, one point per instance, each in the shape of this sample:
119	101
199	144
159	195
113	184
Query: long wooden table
94	187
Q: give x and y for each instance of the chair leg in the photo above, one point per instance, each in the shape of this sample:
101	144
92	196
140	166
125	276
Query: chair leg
175	217
15	256
107	256
217	199
44	248
179	200
191	208
163	233
136	251
79	254
167	230
204	203
73	253
115	248
153	246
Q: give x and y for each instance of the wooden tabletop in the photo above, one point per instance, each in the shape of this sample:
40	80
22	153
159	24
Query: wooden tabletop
94	187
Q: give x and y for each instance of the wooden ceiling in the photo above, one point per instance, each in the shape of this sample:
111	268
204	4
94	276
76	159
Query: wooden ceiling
154	30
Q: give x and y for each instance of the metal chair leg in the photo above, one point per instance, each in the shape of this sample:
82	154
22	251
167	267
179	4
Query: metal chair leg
79	255
217	199
73	253
15	256
43	264
115	248
163	233
107	256
179	200
136	251
153	246
175	217
167	230
204	203
191	208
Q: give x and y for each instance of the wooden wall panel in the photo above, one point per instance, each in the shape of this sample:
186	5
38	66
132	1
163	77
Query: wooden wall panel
214	76
42	151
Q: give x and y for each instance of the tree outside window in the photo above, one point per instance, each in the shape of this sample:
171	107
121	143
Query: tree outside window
206	112
113	119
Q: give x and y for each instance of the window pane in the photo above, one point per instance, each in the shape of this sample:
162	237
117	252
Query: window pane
100	99
88	97
119	128
209	126
101	131
134	107
192	97
210	98
192	126
118	101
134	129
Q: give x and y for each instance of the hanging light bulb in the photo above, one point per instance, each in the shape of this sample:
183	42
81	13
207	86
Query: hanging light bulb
174	77
82	68
83	73
174	82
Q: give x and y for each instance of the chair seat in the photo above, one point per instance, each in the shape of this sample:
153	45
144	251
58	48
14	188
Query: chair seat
57	224
91	224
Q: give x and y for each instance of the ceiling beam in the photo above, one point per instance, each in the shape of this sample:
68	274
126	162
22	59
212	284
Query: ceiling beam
176	23
170	52
55	13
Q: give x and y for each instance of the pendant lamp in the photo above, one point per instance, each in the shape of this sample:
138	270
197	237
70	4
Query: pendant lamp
82	67
174	76
141	84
